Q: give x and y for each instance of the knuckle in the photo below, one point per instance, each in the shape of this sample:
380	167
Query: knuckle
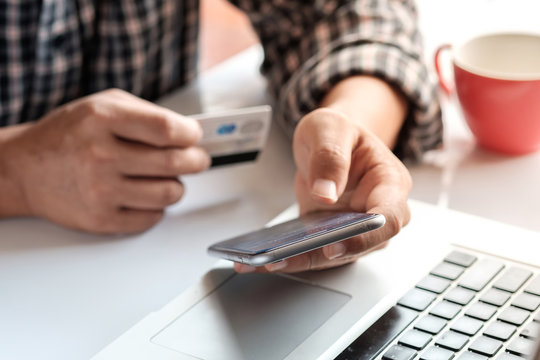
92	113
165	127
89	108
115	92
331	154
393	224
173	160
97	155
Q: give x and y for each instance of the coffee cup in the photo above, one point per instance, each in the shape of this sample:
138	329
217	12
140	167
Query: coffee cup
497	82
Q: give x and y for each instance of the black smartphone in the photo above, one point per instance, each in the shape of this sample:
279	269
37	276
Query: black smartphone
293	237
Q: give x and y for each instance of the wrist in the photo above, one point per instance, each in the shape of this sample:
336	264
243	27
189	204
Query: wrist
13	201
371	103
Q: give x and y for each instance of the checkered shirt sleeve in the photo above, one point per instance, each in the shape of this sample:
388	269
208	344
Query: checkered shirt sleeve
310	45
52	52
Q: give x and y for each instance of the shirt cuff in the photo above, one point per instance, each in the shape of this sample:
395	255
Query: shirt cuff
422	129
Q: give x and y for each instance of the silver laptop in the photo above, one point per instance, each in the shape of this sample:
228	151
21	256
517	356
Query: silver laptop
449	286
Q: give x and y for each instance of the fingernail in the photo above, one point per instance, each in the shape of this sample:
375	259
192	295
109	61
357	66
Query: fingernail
276	266
335	250
325	189
243	268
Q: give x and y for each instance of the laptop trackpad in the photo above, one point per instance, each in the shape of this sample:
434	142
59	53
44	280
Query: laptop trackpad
251	316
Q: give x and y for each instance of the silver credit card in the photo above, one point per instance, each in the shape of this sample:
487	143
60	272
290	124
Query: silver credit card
234	136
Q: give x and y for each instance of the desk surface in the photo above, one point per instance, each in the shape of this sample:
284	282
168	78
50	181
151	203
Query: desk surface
65	294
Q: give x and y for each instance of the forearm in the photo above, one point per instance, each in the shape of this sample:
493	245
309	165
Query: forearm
372	103
12	199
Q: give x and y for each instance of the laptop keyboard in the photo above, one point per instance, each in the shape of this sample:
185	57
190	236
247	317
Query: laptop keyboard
466	308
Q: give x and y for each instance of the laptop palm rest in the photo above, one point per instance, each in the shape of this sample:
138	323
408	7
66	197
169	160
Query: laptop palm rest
251	316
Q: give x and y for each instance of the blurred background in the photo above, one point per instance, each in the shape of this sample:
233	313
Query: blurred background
225	30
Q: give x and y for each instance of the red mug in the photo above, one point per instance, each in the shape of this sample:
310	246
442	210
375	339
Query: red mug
497	80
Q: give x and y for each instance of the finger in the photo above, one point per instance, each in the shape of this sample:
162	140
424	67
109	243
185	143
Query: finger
313	260
135	119
381	189
245	268
397	215
149	194
136	159
323	146
385	191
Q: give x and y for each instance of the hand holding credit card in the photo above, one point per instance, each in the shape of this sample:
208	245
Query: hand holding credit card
234	136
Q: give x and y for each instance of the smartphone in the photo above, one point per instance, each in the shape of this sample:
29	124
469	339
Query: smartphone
294	237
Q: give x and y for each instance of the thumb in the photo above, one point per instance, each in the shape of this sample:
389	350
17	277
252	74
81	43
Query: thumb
323	146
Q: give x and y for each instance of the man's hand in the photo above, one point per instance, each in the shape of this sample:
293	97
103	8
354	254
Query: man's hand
342	152
107	163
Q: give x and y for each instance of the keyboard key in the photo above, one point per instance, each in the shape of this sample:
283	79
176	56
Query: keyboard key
531	330
534	286
445	310
479	275
467	325
495	297
512	279
452	341
437	353
434	284
507	356
447	271
459	295
417	299
481	311
467	355
379	334
526	301
430	324
461	259
500	330
415	339
485	346
521	346
513	315
397	352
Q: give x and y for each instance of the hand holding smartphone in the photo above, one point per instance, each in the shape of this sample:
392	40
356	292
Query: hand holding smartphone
305	233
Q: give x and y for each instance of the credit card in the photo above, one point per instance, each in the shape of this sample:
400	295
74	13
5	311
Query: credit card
235	136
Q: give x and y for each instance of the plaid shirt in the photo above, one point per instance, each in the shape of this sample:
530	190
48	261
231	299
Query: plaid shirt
54	51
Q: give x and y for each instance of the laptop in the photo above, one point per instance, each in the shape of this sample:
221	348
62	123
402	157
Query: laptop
448	286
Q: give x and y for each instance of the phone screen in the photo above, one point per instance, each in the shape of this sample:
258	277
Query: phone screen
291	232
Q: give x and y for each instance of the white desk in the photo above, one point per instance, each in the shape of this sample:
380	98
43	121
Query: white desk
65	295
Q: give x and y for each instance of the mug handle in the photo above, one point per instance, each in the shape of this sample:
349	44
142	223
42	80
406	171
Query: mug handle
445	85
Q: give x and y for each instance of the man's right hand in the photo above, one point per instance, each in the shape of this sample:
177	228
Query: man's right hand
106	163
